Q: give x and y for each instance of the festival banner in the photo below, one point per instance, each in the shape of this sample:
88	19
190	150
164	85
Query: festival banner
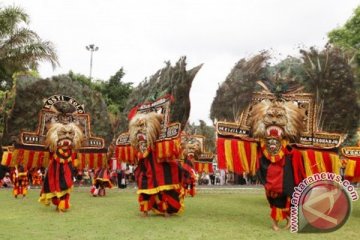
351	163
203	167
237	155
25	157
40	158
317	161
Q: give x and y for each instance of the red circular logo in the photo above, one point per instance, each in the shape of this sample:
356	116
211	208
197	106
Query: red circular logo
325	206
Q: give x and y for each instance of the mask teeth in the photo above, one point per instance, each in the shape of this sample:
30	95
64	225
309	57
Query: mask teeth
141	137
274	130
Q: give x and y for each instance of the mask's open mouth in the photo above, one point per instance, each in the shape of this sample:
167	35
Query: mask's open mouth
141	137
274	131
65	142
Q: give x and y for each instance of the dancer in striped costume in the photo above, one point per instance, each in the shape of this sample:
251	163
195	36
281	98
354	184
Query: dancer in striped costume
191	151
159	182
62	139
21	182
281	168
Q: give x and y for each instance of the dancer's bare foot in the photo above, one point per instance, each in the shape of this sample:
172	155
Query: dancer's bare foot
275	226
145	214
166	214
59	210
287	226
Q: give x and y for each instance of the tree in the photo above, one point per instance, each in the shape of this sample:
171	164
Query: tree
21	49
30	91
116	94
348	36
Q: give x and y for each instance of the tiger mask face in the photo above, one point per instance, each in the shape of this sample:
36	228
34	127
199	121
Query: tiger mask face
192	148
144	130
64	136
276	120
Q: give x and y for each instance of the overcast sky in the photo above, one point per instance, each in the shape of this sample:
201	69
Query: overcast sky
139	35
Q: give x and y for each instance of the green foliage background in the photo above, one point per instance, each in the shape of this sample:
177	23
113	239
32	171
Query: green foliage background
28	101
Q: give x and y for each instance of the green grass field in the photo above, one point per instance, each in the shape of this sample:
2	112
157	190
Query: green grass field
211	214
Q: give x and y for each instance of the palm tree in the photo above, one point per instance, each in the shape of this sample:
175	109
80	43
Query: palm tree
21	49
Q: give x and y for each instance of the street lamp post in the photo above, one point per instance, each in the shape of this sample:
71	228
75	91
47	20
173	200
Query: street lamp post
92	48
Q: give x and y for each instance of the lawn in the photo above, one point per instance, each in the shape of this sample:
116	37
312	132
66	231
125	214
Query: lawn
212	214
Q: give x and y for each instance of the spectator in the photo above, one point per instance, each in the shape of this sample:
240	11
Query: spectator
212	179
6	181
122	175
79	177
222	177
86	177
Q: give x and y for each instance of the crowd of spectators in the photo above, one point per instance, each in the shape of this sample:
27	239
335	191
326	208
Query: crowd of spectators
118	177
221	177
125	175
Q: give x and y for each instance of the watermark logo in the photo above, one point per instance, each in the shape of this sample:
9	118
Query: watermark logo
321	203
